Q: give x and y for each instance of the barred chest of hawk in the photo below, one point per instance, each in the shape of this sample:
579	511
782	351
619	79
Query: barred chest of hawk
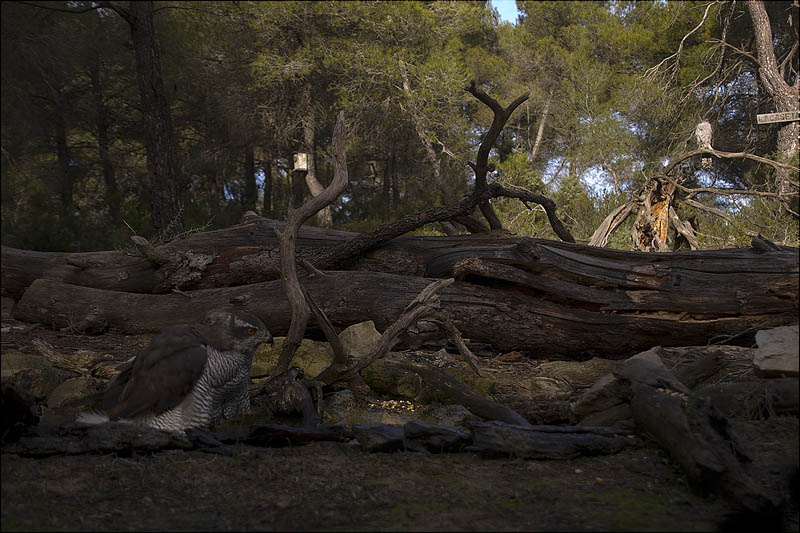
190	376
703	132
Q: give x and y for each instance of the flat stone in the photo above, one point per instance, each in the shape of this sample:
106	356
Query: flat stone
777	352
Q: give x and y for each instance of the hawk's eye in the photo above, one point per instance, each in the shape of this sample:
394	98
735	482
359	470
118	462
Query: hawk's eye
251	331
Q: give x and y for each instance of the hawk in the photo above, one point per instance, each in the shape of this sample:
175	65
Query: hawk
190	376
704	132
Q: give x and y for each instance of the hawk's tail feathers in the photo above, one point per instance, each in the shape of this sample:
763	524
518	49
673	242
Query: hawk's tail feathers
92	417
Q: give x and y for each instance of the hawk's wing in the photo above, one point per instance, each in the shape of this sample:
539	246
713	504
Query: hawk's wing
161	376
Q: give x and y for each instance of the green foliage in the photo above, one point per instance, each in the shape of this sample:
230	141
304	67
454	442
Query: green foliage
246	76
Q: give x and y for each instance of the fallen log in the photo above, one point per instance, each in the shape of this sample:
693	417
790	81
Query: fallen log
547	442
277	435
112	437
249	253
505	317
694	433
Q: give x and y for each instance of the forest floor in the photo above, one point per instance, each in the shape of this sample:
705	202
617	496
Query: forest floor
333	486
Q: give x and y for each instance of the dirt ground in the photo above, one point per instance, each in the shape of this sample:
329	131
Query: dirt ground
330	486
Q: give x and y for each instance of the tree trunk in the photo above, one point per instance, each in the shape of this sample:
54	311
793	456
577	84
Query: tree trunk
784	96
540	132
101	123
159	140
559	320
268	177
66	177
388	172
652	223
248	253
298	188
249	175
549	298
324	217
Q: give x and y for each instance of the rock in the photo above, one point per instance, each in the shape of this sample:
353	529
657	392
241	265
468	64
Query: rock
607	392
106	370
31	373
777	353
312	356
315	356
547	387
578	374
71	390
360	338
601	396
383	378
445	415
338	407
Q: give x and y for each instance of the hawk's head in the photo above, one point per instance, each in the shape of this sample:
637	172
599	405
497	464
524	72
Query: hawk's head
239	331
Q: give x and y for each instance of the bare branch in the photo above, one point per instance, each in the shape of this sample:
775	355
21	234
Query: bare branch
447	325
737	50
677	55
788	58
525	195
294	291
423	305
727	155
481	163
717	212
610	224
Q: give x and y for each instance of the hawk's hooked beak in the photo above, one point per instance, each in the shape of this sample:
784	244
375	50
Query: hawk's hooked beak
269	339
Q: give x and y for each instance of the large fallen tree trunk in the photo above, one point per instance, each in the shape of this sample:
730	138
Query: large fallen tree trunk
249	253
542	315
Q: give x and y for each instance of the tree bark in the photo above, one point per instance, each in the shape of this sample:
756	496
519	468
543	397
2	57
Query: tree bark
540	131
101	123
546	301
66	176
159	140
785	97
652	223
249	175
268	165
324	217
694	433
248	253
